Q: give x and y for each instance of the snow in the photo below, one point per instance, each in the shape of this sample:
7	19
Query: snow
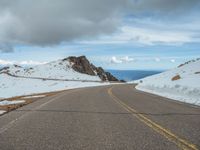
6	102
2	112
16	80
185	89
14	86
34	96
54	70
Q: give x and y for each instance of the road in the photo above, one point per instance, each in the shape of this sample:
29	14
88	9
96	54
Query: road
114	117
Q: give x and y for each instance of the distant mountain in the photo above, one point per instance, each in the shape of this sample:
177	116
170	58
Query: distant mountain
181	83
71	68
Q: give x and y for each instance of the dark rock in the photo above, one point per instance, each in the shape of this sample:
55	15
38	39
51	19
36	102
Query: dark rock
4	70
122	81
81	64
188	62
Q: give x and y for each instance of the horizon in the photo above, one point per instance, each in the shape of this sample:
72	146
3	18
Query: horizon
27	64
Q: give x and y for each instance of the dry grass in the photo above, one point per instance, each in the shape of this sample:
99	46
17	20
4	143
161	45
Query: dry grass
9	108
14	106
177	77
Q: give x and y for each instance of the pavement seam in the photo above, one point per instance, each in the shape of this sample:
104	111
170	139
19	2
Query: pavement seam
181	143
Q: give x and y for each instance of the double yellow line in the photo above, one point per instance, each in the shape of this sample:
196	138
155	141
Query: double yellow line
181	143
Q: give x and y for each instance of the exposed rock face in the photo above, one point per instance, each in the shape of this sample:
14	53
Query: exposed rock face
4	70
82	65
194	60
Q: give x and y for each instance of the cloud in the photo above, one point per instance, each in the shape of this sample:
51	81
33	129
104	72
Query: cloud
6	62
50	22
148	36
165	7
120	60
46	23
126	59
157	59
5	47
29	62
114	60
173	60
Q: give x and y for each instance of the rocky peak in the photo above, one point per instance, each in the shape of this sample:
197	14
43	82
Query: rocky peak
81	64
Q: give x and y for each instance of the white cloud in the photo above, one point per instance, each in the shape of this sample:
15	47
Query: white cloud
157	59
173	60
29	62
148	36
120	60
151	36
114	60
127	59
6	62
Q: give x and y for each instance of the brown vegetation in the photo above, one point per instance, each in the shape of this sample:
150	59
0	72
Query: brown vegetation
9	108
177	77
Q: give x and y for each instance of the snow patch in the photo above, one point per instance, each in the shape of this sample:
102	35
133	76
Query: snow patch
6	102
2	112
34	96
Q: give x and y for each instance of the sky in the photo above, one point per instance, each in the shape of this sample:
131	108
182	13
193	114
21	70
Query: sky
114	34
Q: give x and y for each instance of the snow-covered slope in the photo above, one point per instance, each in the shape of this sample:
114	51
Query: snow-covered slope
181	83
13	86
68	73
60	69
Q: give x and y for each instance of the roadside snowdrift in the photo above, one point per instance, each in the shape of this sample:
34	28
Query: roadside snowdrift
181	83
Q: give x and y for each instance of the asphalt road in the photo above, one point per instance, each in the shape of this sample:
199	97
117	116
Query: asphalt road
114	117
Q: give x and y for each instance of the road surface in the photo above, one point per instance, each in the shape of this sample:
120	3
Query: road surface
114	117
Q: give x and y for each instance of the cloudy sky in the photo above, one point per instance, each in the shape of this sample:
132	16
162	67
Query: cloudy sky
115	34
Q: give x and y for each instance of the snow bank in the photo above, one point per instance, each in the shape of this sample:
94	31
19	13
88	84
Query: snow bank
13	86
2	112
34	96
182	83
5	102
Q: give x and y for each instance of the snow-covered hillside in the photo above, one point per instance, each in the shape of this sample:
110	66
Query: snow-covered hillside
68	73
181	83
54	70
12	86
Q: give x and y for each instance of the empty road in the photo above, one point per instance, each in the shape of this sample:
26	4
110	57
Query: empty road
116	117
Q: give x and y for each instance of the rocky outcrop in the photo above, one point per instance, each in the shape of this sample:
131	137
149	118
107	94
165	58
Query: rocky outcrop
81	64
188	62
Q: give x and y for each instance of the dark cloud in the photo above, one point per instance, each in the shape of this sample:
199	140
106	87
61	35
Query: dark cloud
49	22
6	47
166	6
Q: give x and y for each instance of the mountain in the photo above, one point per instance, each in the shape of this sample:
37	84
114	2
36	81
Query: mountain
71	68
181	83
68	73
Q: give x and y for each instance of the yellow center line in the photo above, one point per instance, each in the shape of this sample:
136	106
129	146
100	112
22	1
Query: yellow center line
181	143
